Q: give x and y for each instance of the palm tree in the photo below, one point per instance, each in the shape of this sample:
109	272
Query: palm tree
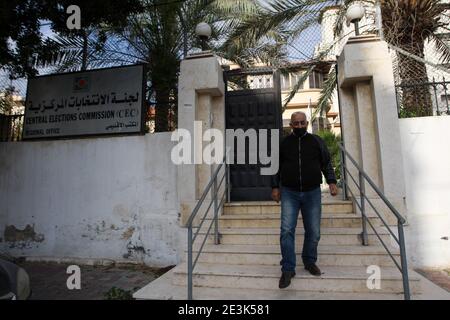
407	24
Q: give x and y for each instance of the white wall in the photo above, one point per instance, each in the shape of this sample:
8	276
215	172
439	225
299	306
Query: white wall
101	198
426	158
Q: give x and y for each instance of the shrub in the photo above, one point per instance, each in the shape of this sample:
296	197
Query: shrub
332	142
118	294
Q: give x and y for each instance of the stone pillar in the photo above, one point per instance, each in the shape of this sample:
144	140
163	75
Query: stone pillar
369	118
200	98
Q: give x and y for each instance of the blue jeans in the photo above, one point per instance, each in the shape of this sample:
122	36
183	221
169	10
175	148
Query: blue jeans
310	204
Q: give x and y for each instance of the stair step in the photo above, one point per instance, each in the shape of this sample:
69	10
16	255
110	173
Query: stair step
333	279
262	207
270	255
325	201
163	289
263	236
336	220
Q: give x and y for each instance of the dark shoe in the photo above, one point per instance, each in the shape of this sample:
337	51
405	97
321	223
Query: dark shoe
285	279
313	269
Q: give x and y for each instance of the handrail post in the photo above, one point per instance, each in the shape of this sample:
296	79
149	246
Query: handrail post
214	192
343	182
227	184
189	262
404	264
362	192
216	212
400	220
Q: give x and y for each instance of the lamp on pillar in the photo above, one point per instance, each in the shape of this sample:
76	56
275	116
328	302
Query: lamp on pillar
203	31
354	14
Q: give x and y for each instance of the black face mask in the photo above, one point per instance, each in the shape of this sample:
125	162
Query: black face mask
299	132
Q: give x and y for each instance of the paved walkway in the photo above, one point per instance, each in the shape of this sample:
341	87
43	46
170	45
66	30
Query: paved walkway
48	280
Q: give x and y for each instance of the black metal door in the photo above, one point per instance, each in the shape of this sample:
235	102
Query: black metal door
252	101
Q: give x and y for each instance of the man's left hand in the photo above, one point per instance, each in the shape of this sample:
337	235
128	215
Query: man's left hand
333	190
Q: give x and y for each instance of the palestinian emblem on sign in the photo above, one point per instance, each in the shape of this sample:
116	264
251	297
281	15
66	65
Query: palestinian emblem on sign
81	84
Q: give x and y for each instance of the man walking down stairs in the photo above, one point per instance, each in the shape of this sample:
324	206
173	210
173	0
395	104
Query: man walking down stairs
303	159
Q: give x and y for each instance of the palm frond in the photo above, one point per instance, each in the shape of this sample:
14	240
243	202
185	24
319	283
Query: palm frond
282	17
326	94
305	75
67	50
319	58
265	53
441	47
339	22
234	8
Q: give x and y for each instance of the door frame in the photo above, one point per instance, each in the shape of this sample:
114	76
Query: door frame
275	89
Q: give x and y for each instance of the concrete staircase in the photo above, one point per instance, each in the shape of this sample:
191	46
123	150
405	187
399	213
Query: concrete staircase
246	263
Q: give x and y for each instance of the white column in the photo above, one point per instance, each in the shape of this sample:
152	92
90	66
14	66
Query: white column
200	98
369	116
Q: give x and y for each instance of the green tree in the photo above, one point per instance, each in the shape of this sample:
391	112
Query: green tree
21	40
7	102
332	142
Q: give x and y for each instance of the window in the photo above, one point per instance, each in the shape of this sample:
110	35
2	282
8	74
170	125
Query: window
315	80
294	79
260	81
285	82
289	81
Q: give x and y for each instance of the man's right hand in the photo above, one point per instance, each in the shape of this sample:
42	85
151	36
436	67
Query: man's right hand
276	196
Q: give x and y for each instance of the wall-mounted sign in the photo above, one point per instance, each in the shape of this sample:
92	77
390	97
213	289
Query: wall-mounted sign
94	102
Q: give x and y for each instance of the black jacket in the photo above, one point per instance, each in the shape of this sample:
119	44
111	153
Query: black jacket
302	162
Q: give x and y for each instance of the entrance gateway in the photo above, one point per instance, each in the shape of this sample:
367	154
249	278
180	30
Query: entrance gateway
252	101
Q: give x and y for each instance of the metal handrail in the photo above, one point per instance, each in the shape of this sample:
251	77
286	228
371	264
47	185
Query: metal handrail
214	187
400	240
